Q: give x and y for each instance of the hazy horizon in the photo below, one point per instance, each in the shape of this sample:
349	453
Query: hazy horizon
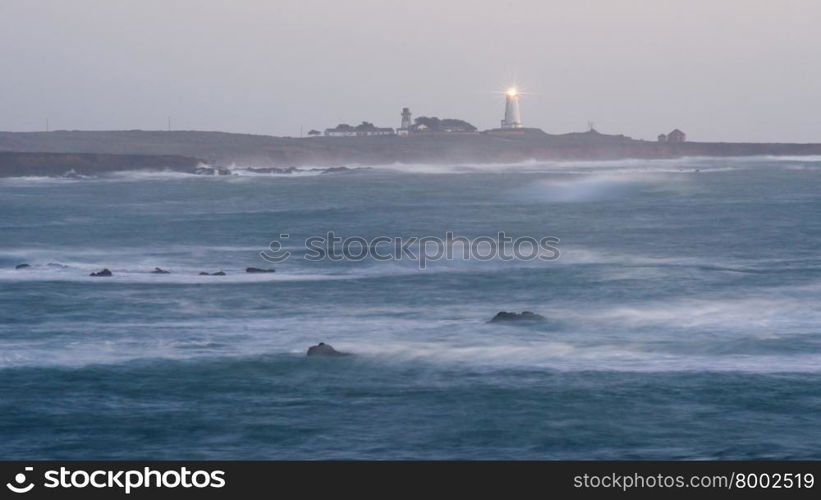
720	71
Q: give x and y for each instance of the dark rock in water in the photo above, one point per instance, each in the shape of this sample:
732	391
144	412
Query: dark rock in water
323	349
259	270
22	266
102	274
512	316
337	170
158	270
204	274
218	273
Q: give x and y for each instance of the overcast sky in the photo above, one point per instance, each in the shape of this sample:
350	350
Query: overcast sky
718	69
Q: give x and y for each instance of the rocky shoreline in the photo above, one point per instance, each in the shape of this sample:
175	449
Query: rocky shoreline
80	166
73	165
83	153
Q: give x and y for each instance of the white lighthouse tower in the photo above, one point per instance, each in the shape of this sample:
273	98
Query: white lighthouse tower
513	117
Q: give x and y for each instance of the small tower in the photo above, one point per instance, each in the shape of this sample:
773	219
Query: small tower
406	118
513	118
404	128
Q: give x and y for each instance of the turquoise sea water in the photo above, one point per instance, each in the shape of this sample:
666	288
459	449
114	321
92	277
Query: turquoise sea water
683	316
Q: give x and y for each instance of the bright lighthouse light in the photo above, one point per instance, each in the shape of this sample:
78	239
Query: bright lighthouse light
513	118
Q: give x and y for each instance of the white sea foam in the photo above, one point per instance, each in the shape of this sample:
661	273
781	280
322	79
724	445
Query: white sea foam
567	357
619	337
244	173
626	166
786	158
780	311
591	188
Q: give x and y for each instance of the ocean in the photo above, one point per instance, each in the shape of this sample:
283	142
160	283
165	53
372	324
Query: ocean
682	317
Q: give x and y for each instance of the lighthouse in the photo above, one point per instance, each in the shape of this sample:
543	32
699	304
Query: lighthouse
513	118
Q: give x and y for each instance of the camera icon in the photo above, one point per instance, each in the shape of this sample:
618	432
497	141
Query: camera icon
20	479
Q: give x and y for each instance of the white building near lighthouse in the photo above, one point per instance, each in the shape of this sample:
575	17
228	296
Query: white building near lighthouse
513	117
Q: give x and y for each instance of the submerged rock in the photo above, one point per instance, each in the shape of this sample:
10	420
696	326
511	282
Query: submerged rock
512	316
22	266
259	270
218	273
158	270
102	274
323	349
57	265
